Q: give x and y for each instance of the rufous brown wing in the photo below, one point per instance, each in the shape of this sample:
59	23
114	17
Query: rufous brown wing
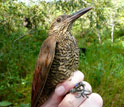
42	68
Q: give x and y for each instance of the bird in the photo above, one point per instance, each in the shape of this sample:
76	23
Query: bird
58	58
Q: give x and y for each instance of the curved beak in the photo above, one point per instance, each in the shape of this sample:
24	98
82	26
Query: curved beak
78	14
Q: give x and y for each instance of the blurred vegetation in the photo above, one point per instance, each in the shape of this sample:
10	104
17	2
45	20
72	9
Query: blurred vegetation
101	31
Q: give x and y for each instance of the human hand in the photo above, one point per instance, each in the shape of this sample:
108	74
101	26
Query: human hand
61	98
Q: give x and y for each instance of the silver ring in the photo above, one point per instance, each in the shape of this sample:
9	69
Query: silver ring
80	91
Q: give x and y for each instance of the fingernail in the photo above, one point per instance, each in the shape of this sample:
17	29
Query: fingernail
60	90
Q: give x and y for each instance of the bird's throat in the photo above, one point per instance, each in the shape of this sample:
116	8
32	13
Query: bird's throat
63	36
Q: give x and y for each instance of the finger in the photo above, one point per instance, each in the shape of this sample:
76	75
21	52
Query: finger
63	88
69	83
70	100
53	101
94	100
77	77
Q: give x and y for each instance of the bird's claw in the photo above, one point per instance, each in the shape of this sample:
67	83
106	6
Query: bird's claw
80	90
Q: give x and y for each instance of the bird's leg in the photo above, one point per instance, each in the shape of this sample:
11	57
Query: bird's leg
80	90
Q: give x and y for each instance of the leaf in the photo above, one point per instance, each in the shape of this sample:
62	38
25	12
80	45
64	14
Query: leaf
5	103
25	105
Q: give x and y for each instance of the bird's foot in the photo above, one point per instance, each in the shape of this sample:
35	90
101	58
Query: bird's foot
79	90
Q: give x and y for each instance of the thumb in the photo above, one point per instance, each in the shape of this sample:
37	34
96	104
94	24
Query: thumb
56	97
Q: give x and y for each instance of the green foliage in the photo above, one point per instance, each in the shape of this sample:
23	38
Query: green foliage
5	104
23	29
103	68
25	105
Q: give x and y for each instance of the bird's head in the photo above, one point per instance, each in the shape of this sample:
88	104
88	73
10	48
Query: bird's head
63	23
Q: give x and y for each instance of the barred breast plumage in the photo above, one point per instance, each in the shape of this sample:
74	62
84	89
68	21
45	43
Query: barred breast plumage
65	61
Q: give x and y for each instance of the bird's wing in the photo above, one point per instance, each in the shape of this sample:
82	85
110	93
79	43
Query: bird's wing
43	65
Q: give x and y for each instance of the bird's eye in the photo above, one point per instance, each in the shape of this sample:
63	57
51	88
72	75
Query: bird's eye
59	20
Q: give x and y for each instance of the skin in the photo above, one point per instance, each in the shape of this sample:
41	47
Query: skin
61	98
